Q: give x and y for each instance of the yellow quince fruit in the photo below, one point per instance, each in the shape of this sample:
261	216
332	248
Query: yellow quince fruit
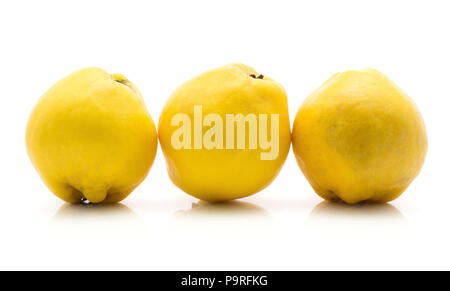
91	138
359	137
225	134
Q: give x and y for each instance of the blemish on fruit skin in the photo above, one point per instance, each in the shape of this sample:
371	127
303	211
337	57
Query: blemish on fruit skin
334	196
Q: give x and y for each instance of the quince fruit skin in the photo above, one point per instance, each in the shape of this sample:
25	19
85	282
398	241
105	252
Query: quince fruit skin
216	175
90	137
359	137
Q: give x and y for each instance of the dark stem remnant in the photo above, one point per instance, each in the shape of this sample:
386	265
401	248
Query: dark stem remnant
85	201
260	76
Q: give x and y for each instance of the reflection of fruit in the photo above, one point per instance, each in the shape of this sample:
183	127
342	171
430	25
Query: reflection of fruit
363	211
221	220
359	137
356	225
235	208
220	173
90	137
100	223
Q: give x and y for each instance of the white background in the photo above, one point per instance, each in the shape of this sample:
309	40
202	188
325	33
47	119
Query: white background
159	45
